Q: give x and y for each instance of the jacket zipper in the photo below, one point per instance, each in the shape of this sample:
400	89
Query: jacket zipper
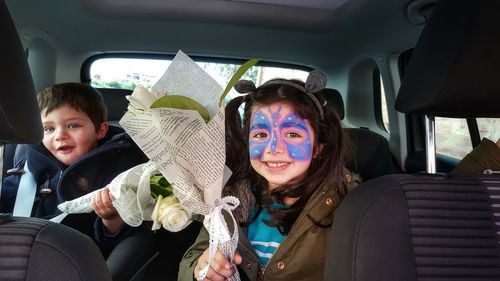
262	270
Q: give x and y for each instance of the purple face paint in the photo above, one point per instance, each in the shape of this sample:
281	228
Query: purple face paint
271	130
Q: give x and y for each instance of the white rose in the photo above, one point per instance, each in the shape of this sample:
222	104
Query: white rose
141	99
170	214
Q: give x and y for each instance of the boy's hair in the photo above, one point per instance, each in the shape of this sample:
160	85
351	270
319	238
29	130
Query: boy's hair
326	168
81	97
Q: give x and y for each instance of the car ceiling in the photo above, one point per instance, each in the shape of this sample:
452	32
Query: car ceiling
316	33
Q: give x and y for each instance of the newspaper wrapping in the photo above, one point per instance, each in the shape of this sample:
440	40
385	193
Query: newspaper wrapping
189	152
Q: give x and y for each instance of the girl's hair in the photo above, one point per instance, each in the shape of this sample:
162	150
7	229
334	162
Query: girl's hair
81	97
326	168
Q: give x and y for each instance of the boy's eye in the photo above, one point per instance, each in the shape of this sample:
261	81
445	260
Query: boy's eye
48	129
74	126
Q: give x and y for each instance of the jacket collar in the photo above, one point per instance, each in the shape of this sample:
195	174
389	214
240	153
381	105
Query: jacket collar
43	164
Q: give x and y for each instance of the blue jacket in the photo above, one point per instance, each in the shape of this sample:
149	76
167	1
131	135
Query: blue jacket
57	182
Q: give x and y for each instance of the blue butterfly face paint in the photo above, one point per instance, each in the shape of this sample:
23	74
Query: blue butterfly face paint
276	129
280	144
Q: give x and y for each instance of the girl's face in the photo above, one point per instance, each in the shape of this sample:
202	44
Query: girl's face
281	144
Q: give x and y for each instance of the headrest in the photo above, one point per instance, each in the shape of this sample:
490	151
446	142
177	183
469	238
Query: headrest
454	69
334	98
19	115
115	101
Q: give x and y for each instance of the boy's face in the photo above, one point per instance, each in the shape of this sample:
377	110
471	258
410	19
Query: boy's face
281	144
69	134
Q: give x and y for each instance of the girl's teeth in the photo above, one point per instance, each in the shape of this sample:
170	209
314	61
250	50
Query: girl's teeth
274	165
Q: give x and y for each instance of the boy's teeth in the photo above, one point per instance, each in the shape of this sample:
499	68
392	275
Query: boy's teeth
274	165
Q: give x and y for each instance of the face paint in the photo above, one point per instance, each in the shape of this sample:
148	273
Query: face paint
272	128
280	144
260	131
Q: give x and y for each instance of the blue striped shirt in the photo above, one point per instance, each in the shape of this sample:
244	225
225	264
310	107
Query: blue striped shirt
264	239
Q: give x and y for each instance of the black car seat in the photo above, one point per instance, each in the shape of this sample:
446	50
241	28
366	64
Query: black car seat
370	153
34	249
37	249
430	227
115	102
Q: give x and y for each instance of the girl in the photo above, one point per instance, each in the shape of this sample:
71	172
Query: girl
287	157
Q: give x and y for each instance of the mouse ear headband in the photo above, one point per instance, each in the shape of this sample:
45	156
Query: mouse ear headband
315	82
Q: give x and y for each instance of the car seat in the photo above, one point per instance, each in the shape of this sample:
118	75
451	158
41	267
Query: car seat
371	156
37	249
115	102
431	226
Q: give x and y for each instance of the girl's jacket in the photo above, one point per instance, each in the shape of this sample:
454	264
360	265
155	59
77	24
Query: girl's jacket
300	257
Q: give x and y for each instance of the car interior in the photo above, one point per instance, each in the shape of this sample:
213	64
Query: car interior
430	226
413	81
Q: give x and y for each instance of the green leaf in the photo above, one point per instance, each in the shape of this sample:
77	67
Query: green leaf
182	102
160	186
237	75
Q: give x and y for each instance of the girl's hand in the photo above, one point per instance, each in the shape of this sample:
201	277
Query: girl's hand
219	268
102	203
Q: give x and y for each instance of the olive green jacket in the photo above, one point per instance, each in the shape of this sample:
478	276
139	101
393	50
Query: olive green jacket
483	157
300	256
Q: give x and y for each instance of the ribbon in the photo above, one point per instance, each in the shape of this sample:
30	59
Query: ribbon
219	234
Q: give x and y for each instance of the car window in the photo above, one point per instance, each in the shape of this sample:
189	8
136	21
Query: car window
383	106
126	73
489	128
452	137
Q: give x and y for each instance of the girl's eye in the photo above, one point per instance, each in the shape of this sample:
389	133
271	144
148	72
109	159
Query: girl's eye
74	126
293	135
259	135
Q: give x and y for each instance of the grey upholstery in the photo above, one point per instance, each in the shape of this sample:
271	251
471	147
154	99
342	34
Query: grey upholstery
431	227
416	228
34	249
371	156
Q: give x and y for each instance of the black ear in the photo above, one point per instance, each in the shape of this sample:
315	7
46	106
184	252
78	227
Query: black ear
244	86
316	81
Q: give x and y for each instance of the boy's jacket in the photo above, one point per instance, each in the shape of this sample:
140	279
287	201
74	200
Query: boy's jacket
57	182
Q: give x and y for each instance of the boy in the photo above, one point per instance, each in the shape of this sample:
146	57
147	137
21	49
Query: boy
78	154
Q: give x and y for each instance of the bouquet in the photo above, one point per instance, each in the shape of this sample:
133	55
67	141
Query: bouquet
143	194
179	125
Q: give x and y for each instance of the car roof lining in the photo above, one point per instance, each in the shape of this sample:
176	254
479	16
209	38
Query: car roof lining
331	37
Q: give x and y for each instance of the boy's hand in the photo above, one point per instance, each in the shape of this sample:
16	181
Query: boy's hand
102	203
219	268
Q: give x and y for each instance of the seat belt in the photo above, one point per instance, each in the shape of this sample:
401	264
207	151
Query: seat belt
25	194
